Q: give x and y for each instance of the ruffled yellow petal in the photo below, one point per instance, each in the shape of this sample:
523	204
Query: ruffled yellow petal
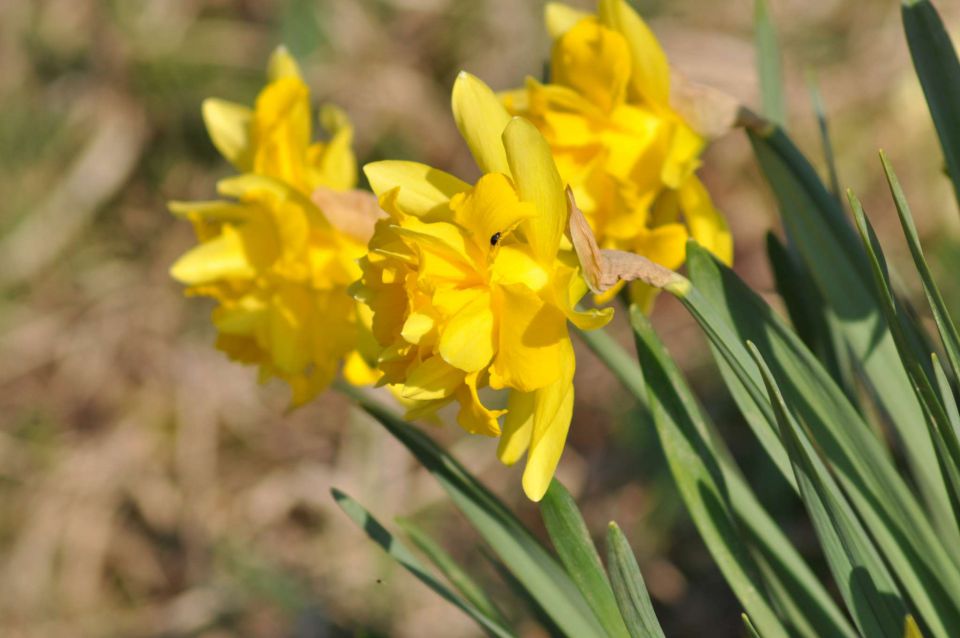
553	411
421	189
282	65
220	258
481	119
517	427
650	78
281	131
490	210
665	245
594	61
229	126
560	18
336	164
432	379
531	339
538	182
705	222
683	158
467	339
514	264
474	417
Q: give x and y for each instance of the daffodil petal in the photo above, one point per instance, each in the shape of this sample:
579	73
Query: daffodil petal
466	341
705	222
551	421
421	189
491	209
651	72
474	417
229	126
282	65
337	162
220	258
514	264
560	18
665	245
531	340
517	427
538	182
595	61
431	379
481	119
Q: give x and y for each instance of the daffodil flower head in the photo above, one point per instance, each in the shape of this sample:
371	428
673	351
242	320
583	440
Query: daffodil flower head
471	286
628	155
278	264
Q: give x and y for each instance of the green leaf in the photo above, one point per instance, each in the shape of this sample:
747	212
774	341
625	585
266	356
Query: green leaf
570	537
938	69
805	307
399	552
833	254
730	314
751	630
806	605
526	558
823	126
696	470
768	64
455	574
629	588
865	584
936	416
945	324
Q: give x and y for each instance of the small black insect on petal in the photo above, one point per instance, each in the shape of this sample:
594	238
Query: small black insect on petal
494	239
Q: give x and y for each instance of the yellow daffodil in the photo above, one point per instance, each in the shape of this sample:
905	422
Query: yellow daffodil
277	263
628	155
472	286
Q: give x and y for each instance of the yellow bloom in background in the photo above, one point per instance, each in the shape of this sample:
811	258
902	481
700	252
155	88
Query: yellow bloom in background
277	265
275	137
628	155
472	286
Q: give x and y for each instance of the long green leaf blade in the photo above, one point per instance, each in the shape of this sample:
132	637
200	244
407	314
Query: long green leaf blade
571	539
730	314
865	584
526	558
768	64
809	608
455	574
399	552
696	470
938	69
835	258
949	335
629	588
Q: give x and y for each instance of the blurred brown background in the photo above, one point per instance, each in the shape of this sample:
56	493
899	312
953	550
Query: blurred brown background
149	487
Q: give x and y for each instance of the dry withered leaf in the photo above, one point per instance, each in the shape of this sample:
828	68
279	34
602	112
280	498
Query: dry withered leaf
708	110
604	268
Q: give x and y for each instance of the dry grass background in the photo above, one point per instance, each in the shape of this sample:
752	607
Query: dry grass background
148	487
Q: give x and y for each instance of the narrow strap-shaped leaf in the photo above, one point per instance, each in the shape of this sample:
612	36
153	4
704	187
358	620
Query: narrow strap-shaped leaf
808	314
864	582
696	470
720	301
399	552
823	126
809	606
571	539
454	573
629	588
833	254
768	64
751	630
938	69
949	335
529	561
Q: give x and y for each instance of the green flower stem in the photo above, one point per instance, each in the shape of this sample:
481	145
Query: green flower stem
621	363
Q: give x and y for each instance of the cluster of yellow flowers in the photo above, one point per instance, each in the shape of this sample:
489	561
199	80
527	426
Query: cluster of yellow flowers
278	267
460	287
